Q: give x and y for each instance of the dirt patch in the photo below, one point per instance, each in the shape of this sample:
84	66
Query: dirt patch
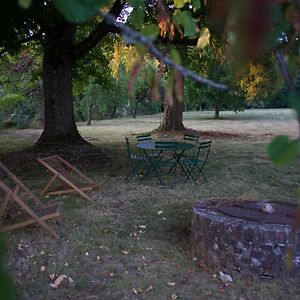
25	161
199	133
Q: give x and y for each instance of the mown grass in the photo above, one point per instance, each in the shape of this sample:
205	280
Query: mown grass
131	241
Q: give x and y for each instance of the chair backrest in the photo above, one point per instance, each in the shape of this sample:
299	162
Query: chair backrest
57	165
128	147
144	137
189	138
203	149
15	183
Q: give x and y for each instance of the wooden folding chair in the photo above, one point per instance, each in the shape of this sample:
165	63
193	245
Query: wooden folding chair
71	179
12	196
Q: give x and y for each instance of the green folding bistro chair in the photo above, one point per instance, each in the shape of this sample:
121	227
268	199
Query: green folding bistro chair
194	165
141	162
144	137
168	162
192	139
189	138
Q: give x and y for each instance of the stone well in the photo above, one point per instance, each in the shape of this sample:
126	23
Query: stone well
238	235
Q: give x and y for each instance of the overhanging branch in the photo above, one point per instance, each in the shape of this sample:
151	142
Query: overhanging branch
27	39
100	31
139	38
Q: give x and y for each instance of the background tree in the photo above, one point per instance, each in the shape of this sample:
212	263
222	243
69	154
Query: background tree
21	88
60	51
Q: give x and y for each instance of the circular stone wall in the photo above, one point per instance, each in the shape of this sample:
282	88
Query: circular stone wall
222	241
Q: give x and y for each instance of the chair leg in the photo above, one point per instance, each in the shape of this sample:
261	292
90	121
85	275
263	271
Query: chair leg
133	171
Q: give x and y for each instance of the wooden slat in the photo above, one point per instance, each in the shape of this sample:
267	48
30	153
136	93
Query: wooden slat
20	183
54	164
29	222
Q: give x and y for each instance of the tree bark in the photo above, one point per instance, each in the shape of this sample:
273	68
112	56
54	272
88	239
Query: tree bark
59	121
60	52
90	113
173	108
218	106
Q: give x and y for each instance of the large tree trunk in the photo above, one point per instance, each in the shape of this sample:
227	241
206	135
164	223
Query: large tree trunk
173	108
59	122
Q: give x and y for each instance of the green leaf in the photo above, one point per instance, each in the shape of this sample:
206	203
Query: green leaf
79	10
282	151
137	3
298	192
294	100
203	40
184	19
179	3
24	3
5	282
196	5
150	30
175	56
137	18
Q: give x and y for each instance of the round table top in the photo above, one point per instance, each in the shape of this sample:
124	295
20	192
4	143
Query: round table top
165	146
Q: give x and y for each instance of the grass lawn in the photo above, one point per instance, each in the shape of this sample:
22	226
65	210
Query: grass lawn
132	241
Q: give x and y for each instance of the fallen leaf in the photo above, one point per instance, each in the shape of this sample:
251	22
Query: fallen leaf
225	278
160	212
170	283
70	280
98	257
149	288
142	226
58	281
135	291
174	296
201	264
52	276
43	268
125	252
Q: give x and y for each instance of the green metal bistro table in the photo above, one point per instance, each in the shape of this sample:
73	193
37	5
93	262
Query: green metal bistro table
159	147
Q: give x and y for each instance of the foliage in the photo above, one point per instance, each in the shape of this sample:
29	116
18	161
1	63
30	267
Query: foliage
10	100
21	88
282	150
280	100
5	282
215	63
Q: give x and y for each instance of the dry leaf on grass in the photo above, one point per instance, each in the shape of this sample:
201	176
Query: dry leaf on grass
137	290
70	280
149	288
43	268
225	278
170	283
174	296
58	281
125	252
